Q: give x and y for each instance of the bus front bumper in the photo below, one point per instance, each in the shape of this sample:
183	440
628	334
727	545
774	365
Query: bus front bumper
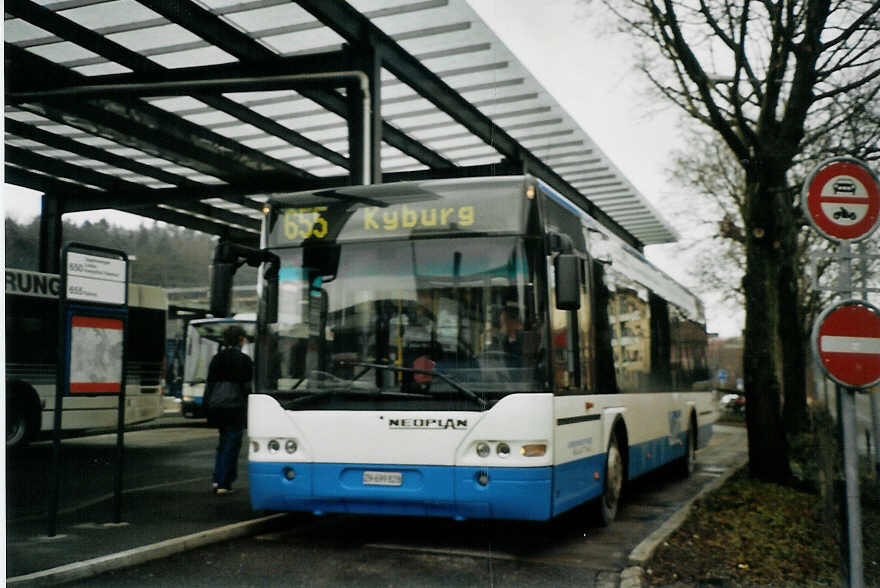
441	491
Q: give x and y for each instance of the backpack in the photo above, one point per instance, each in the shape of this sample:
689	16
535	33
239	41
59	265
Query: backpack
226	395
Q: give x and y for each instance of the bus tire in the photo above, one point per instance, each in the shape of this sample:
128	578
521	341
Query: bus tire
606	509
21	420
688	463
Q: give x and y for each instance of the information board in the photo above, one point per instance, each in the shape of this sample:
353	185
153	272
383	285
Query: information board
95	278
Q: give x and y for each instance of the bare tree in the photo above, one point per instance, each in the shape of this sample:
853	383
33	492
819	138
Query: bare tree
707	167
774	79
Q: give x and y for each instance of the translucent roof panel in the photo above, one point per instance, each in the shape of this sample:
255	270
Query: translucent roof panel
491	109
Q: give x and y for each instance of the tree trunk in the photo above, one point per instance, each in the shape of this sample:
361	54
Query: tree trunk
768	448
792	337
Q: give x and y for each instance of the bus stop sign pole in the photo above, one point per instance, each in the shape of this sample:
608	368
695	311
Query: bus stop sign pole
92	319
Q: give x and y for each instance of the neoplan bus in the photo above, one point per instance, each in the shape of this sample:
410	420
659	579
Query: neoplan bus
203	339
477	348
31	346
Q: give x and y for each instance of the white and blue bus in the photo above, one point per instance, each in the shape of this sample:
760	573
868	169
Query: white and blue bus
203	340
472	348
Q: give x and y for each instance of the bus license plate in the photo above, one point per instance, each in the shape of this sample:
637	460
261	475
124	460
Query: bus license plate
383	478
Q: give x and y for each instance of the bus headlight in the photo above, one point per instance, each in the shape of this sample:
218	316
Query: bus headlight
255	447
503	450
290	446
274	446
483	449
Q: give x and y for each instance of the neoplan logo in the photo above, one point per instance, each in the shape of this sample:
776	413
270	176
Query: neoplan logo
427	423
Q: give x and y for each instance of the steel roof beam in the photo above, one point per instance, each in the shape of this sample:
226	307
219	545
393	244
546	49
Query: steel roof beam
140	125
116	188
206	25
74	193
456	72
48	20
211	28
65	143
184	220
332	61
335	103
312	63
240	8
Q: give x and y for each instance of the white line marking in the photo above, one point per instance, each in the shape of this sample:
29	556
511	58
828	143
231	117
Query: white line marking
834	344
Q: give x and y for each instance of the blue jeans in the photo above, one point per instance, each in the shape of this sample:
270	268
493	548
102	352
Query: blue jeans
226	463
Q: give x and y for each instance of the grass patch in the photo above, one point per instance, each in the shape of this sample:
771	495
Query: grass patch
753	533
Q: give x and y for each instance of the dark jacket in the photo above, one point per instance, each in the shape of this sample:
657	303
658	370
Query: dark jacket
229	365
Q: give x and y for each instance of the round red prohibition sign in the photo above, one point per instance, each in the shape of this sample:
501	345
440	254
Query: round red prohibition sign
843	201
846	340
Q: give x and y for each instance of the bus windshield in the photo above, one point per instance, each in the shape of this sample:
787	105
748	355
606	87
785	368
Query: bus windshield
437	324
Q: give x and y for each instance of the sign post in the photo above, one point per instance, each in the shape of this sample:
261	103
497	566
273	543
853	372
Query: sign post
842	199
846	343
92	317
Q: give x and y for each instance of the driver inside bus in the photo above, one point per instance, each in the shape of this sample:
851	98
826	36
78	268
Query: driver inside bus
509	339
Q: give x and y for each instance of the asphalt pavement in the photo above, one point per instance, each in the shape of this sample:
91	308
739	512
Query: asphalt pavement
162	512
179	514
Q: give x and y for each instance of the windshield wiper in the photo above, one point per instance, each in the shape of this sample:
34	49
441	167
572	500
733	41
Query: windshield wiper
326	384
396	368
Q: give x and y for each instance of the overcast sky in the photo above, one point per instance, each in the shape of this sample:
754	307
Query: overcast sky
591	75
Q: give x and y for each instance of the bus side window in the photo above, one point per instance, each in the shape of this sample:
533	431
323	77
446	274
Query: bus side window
585	331
565	345
606	379
661	345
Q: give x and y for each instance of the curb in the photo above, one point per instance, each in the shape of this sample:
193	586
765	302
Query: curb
138	555
644	551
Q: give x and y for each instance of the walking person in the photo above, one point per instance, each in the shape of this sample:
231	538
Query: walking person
226	391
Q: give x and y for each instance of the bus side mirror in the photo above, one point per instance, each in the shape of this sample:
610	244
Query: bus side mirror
228	257
568	281
270	299
223	267
221	288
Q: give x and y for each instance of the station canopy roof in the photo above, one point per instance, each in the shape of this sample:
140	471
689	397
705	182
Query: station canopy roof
86	117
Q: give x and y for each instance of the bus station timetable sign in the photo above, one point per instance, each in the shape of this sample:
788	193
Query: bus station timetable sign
95	278
843	200
846	341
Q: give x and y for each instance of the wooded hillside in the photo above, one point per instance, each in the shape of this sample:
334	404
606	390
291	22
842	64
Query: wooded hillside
170	257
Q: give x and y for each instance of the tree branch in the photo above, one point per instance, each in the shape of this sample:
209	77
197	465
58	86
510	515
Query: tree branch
696	74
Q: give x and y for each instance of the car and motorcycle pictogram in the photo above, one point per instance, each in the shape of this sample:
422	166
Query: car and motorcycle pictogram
844	187
843	213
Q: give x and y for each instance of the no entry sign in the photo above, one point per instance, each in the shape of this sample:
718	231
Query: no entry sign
846	341
843	200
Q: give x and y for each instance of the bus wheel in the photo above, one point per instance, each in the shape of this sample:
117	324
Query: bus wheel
17	432
610	499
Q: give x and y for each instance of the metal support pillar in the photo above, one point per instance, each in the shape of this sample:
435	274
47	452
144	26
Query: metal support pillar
365	144
51	233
